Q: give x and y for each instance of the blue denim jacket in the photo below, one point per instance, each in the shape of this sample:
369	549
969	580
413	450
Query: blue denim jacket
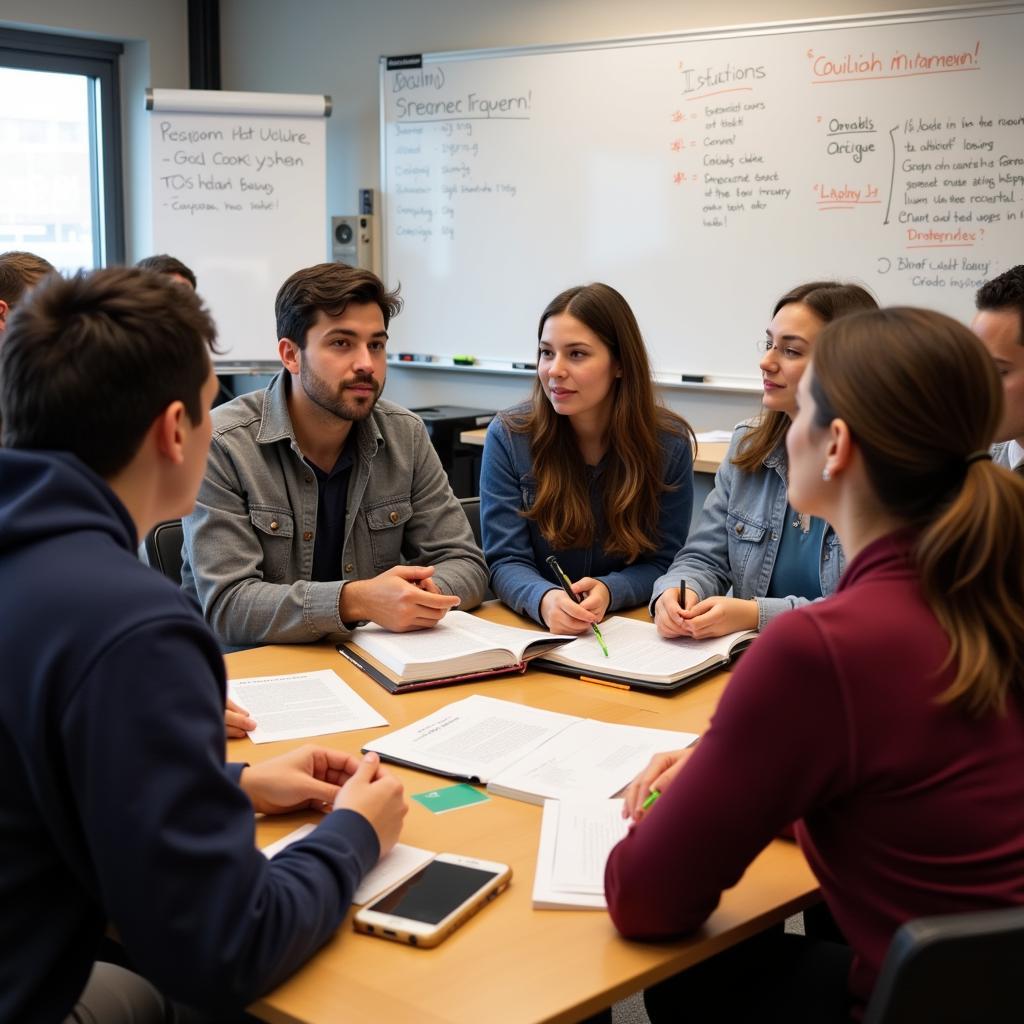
515	550
737	537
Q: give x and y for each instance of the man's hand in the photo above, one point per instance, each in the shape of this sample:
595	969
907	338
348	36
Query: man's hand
401	599
377	795
306	777
237	722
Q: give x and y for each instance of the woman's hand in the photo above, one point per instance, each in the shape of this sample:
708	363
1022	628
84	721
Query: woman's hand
716	616
658	775
561	614
595	594
669	616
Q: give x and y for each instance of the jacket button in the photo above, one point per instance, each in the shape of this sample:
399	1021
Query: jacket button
739	527
273	524
349	567
307	535
393	517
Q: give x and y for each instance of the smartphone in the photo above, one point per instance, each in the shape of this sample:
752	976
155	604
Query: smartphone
428	906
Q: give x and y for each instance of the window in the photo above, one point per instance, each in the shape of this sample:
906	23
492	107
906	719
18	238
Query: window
60	135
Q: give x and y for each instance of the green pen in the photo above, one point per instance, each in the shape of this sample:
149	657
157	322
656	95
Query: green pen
649	802
567	587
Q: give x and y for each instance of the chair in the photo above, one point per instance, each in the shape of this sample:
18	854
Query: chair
163	548
471	506
953	969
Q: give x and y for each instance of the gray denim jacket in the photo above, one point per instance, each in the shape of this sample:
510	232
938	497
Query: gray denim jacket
248	552
737	537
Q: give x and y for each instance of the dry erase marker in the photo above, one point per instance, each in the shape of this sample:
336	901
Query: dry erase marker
463	360
649	802
694	378
567	587
524	366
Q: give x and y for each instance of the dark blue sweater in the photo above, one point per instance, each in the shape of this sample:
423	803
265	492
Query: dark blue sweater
115	802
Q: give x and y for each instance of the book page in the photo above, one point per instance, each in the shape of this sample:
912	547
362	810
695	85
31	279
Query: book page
457	635
289	707
635	650
588	761
474	738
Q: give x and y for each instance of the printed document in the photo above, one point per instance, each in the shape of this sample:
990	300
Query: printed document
576	838
303	704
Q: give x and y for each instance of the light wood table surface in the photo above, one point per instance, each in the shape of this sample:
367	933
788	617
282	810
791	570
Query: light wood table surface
707	460
509	964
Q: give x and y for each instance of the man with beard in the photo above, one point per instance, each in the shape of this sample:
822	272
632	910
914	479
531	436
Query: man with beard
324	508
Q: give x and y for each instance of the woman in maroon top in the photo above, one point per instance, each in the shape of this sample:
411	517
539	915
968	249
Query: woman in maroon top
886	721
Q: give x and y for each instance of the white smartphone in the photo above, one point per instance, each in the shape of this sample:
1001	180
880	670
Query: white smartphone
431	904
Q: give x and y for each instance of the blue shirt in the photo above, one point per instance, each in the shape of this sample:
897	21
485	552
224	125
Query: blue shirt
796	564
735	543
516	551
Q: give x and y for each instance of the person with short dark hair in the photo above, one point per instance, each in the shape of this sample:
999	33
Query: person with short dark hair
886	721
19	271
324	508
171	266
116	804
1000	325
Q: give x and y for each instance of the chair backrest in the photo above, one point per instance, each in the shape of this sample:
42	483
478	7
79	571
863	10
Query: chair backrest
471	506
163	548
952	969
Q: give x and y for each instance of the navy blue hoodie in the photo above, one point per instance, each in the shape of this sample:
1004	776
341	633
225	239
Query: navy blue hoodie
115	802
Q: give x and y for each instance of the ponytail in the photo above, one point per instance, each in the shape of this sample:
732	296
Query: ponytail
922	400
971	560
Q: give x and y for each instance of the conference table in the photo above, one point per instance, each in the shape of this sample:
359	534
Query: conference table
509	963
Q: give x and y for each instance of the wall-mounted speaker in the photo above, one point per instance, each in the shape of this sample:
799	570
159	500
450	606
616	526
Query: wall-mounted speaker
352	240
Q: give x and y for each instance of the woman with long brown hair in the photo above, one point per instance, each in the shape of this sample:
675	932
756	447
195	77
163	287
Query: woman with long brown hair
748	539
592	470
887	721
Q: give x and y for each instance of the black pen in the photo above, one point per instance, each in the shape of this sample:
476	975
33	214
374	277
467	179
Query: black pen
566	584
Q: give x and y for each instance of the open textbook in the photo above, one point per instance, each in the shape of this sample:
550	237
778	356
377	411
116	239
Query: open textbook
527	753
459	648
641	659
576	838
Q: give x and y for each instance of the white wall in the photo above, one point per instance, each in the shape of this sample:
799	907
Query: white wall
333	46
155	34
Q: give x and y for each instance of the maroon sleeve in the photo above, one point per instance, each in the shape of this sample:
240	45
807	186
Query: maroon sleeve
776	748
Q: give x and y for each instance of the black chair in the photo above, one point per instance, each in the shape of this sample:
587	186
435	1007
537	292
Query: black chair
163	548
471	506
953	969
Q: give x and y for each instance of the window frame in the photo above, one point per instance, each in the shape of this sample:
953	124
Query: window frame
98	59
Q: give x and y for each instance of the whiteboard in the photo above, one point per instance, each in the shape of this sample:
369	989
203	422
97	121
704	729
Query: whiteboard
702	175
239	195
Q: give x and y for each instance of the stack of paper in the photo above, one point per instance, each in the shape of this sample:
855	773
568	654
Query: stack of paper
576	838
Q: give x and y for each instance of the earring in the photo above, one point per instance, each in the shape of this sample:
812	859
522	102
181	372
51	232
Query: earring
826	475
